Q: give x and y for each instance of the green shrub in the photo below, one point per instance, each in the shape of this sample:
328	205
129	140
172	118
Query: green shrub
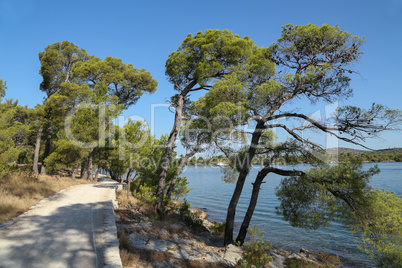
188	217
254	252
6	170
297	263
382	235
181	188
219	228
145	194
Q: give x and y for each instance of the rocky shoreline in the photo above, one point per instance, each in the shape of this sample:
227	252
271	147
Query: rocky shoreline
149	242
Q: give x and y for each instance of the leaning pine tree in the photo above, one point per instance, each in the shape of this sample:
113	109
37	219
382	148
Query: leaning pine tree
307	62
198	63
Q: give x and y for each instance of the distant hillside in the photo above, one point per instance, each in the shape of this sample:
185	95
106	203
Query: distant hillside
388	151
342	150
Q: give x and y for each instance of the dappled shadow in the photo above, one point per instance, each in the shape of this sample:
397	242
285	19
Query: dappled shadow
69	237
104	185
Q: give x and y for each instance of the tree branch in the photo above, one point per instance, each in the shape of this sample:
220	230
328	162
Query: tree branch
294	135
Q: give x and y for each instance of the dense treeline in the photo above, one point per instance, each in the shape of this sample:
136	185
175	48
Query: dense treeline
73	129
340	158
372	157
345	157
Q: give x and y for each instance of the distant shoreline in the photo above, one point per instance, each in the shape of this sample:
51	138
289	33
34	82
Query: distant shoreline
214	165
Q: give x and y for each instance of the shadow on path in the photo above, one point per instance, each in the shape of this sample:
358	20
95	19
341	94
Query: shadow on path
71	236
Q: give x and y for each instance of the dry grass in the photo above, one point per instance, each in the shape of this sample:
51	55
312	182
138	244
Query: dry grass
124	241
21	190
132	202
123	200
130	259
128	255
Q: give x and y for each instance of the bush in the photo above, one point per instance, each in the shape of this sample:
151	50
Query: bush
188	217
218	228
254	252
181	188
145	194
297	263
6	170
382	235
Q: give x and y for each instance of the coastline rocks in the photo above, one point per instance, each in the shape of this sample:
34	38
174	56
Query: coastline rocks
174	244
233	254
143	242
170	243
193	250
282	258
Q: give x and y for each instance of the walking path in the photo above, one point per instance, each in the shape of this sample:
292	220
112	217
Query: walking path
73	228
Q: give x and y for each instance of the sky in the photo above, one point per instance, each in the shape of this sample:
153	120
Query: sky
143	33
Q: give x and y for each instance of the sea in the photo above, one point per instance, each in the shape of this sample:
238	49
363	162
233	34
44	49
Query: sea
213	195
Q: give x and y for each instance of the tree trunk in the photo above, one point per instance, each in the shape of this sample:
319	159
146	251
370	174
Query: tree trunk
48	140
97	174
230	217
178	171
254	196
74	171
37	149
90	171
160	192
84	169
251	207
128	177
125	176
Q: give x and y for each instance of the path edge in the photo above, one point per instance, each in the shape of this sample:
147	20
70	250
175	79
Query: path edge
111	249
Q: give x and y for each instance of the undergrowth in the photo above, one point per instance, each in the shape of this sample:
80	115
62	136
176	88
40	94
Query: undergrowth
189	218
254	252
218	228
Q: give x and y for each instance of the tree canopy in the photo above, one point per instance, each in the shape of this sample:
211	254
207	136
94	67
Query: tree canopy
307	62
57	62
196	65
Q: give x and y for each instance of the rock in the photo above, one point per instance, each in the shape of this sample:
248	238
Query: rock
185	234
164	232
132	226
143	233
187	252
278	260
161	265
160	245
329	259
138	241
191	251
145	225
200	213
202	239
184	242
232	254
176	226
174	264
143	242
213	256
234	249
307	252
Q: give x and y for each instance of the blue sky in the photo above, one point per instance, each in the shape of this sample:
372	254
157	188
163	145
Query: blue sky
145	32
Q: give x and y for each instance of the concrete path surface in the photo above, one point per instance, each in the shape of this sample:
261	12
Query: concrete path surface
73	228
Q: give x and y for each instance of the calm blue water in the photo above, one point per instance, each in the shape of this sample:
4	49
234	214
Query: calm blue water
211	193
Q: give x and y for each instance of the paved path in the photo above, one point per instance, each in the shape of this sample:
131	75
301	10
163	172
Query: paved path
70	229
